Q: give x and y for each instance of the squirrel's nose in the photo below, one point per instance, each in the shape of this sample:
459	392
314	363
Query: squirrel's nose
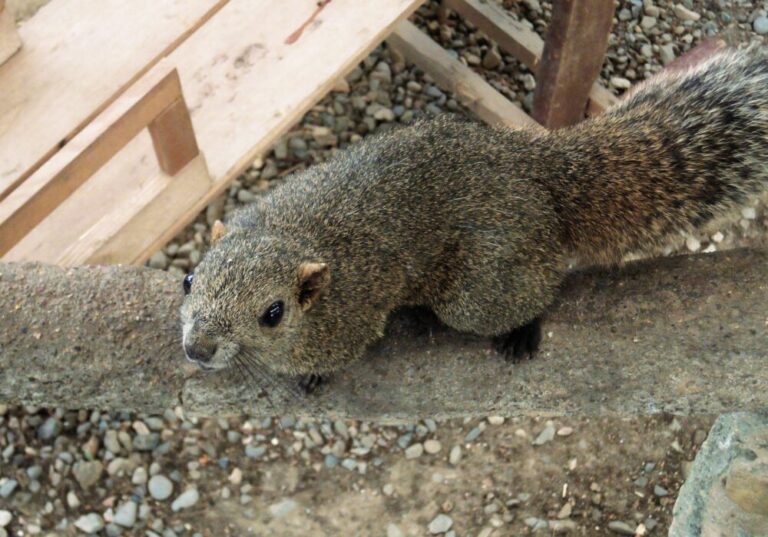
200	352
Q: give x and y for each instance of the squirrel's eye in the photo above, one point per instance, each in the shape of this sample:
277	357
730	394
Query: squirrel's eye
187	283
273	314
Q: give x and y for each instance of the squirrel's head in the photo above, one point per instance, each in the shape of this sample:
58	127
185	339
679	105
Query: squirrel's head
248	301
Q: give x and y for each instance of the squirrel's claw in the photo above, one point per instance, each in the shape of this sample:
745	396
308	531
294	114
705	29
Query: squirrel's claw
310	382
521	342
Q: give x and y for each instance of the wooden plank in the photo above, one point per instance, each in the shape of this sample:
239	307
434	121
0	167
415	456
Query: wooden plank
470	88
120	236
519	41
240	81
10	42
173	137
573	55
78	55
63	173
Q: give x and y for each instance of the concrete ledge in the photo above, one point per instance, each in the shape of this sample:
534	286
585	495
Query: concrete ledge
683	335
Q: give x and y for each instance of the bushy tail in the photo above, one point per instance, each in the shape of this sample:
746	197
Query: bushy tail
684	149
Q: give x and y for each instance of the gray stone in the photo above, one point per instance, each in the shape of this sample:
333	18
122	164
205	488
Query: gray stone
546	435
414	451
5	518
473	435
146	442
440	524
282	508
454	457
88	473
660	491
254	452
125	514
160	487
667	53
49	429
185	500
685	14
726	493
394	531
492	59
90	523
158	260
622	528
760	25
648	22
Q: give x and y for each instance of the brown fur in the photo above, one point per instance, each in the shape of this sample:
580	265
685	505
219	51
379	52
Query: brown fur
473	221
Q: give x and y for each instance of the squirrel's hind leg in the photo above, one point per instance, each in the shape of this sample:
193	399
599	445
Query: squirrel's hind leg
520	343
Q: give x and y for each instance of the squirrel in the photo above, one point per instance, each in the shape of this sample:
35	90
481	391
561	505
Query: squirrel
473	221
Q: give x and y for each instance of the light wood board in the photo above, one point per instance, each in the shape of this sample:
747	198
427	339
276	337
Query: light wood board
77	56
449	73
9	37
143	104
245	87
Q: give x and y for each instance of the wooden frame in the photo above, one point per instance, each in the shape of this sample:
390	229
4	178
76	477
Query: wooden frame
522	43
155	102
10	42
573	55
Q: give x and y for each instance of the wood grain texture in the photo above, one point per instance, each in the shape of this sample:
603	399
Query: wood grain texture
245	87
143	103
10	42
78	56
574	51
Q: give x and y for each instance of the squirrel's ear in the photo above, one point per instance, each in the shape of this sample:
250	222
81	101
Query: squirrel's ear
313	278
217	231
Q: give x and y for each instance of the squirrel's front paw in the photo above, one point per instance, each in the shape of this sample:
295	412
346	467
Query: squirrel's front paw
309	383
521	342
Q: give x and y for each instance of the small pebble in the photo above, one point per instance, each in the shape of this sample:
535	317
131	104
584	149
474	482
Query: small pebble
454	457
440	524
160	487
5	518
432	446
760	25
90	523
186	499
125	515
622	528
414	451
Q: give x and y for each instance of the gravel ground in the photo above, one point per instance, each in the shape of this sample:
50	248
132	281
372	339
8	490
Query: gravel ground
80	472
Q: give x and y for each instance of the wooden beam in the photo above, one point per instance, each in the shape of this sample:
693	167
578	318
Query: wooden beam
150	99
10	42
238	72
519	41
173	137
573	55
470	88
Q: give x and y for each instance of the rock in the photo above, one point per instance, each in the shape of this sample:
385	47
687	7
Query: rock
685	14
622	528
648	22
760	25
72	500
565	431
246	196
125	515
88	473
625	15
473	435
139	476
546	435
732	462
254	452
667	53
432	446
496	420
215	210
454	457
620	83
282	508
692	243
8	487
158	260
440	524
749	213
660	491
146	442
185	500
5	518
747	486
414	451
492	59
49	429
160	487
111	442
90	523
394	531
